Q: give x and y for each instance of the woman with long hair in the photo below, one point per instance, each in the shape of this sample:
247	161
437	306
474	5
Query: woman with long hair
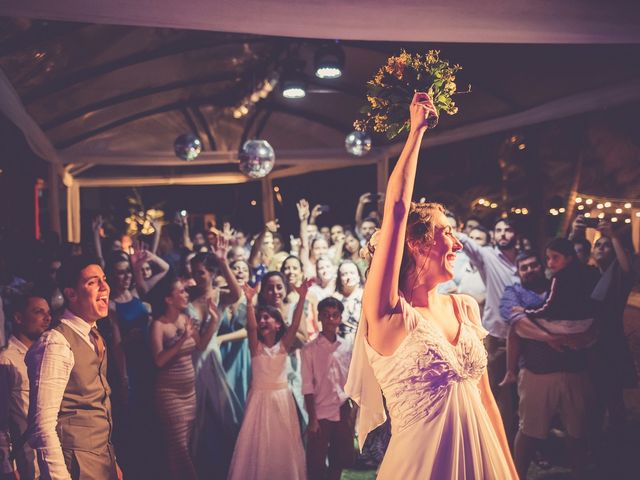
173	341
232	337
422	349
349	292
218	410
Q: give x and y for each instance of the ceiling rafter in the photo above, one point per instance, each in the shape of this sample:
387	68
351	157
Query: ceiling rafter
180	47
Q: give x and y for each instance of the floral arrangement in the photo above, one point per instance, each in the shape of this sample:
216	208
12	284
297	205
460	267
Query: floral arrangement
390	91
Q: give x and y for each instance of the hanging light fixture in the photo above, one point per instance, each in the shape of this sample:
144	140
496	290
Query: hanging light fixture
329	61
294	84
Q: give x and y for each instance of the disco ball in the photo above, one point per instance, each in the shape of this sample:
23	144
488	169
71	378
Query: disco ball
256	158
358	143
187	146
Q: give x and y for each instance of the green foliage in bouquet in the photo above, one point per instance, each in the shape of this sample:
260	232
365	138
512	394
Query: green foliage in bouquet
390	91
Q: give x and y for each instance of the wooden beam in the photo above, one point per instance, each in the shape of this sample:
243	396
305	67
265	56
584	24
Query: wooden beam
382	178
168	158
54	200
268	208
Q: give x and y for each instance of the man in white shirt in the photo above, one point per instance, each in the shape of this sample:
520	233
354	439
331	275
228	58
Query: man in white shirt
325	364
70	419
31	317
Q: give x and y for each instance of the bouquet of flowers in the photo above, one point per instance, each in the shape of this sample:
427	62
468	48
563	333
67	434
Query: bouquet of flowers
390	91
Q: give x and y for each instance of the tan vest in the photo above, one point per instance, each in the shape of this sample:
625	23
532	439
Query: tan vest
84	419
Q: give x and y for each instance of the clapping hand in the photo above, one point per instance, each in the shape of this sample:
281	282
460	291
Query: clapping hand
420	110
213	309
188	328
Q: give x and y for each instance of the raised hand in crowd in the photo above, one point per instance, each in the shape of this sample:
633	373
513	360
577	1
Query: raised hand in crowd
141	261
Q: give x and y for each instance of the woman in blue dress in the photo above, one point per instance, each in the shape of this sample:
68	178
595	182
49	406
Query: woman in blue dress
218	410
232	337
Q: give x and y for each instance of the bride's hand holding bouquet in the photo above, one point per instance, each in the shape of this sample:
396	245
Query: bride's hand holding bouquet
390	92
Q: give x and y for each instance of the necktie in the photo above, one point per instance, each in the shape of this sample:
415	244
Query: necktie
98	342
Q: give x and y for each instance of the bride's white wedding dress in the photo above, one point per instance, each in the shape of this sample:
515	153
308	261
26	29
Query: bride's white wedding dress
440	428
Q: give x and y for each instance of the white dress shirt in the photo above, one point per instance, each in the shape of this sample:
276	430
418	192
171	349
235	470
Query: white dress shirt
14	399
325	366
49	362
497	272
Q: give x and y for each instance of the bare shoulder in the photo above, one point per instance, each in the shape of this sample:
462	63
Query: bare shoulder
470	306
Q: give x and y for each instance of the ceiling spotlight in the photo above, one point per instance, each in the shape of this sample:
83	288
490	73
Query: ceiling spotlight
294	84
294	89
329	61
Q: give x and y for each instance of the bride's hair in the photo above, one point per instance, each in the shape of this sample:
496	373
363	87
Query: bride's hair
420	228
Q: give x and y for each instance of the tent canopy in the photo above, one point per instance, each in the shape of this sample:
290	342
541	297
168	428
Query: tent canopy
102	89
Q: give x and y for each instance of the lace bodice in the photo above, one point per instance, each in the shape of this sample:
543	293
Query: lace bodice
419	375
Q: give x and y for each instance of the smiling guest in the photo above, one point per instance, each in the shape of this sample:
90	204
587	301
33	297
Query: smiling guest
31	317
69	408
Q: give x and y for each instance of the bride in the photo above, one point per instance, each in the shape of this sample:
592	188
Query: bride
421	348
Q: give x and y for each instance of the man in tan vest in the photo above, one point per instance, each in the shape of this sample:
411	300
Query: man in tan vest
70	420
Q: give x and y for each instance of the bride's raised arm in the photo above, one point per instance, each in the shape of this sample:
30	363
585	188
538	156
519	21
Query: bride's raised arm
381	290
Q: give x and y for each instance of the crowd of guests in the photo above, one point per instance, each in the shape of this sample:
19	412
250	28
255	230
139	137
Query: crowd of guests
229	352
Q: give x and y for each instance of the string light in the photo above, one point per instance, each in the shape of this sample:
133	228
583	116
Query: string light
580	207
562	210
589	201
600	206
614	219
618	210
578	199
627	220
262	90
607	204
253	203
638	214
587	215
601	215
525	211
494	205
627	205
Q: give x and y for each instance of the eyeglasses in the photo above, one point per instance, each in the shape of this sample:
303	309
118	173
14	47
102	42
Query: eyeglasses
530	266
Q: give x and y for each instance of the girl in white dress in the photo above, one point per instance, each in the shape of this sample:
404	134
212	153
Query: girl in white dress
421	348
269	445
